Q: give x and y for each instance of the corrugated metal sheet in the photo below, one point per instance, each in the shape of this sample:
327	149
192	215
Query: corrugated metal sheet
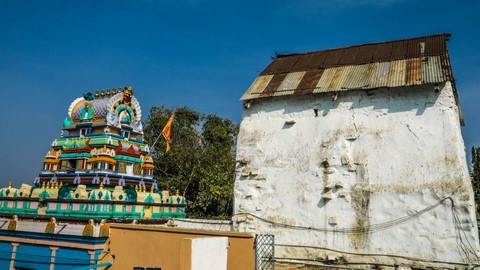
415	71
380	76
360	54
309	82
258	86
273	85
389	64
338	79
432	70
360	77
291	81
396	77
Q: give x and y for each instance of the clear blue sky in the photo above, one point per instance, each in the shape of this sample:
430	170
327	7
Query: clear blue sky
198	53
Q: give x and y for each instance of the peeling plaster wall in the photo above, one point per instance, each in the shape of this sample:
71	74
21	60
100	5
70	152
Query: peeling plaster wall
373	172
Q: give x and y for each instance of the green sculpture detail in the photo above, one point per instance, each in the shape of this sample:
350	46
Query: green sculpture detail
88	96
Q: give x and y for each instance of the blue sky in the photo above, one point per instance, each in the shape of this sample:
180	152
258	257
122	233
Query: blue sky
196	53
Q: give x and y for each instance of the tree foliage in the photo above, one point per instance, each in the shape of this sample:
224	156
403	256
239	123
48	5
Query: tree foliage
475	176
201	162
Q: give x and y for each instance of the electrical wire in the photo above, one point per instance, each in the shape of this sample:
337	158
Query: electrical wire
465	246
354	230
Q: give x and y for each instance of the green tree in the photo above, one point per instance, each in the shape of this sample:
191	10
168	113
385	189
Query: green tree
201	162
475	176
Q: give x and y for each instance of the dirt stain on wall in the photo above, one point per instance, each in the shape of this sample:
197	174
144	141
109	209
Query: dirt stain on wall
360	202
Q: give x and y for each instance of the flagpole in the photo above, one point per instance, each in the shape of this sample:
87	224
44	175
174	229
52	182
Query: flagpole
166	136
156	139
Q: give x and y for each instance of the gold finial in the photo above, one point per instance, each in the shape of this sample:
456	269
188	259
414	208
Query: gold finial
136	188
151	189
61	184
102	94
144	188
10	184
57	185
114	91
43	184
48	185
128	90
108	92
177	193
101	185
96	94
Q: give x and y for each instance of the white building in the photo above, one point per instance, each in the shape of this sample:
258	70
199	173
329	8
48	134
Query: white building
358	150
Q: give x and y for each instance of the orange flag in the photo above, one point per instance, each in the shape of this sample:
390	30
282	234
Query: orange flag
166	131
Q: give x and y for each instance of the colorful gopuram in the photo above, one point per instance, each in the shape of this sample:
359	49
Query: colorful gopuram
99	167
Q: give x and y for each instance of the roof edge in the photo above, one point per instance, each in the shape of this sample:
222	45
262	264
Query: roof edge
279	55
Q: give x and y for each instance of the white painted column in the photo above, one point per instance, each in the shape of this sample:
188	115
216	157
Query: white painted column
14	253
92	256
52	258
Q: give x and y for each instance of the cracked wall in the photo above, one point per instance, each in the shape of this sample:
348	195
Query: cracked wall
352	173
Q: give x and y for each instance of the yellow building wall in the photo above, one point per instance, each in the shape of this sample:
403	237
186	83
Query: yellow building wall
161	247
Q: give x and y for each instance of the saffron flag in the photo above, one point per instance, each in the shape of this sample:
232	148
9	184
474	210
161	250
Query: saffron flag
166	131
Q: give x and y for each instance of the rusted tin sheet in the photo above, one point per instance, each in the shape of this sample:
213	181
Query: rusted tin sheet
332	79
431	70
280	65
273	85
396	77
397	73
360	77
257	87
413	74
291	81
309	82
388	64
365	55
380	76
360	54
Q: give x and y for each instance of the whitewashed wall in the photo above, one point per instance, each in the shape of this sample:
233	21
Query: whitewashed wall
205	253
203	224
358	174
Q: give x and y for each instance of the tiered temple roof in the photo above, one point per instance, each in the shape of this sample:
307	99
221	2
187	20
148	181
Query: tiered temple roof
101	138
99	167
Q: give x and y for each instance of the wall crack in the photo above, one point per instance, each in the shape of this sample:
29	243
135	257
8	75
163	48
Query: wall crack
411	131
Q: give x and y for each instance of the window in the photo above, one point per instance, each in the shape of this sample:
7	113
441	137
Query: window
72	164
126	134
129	169
122	167
84	131
80	164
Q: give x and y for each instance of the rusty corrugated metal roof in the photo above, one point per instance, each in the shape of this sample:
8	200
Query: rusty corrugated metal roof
406	62
360	54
